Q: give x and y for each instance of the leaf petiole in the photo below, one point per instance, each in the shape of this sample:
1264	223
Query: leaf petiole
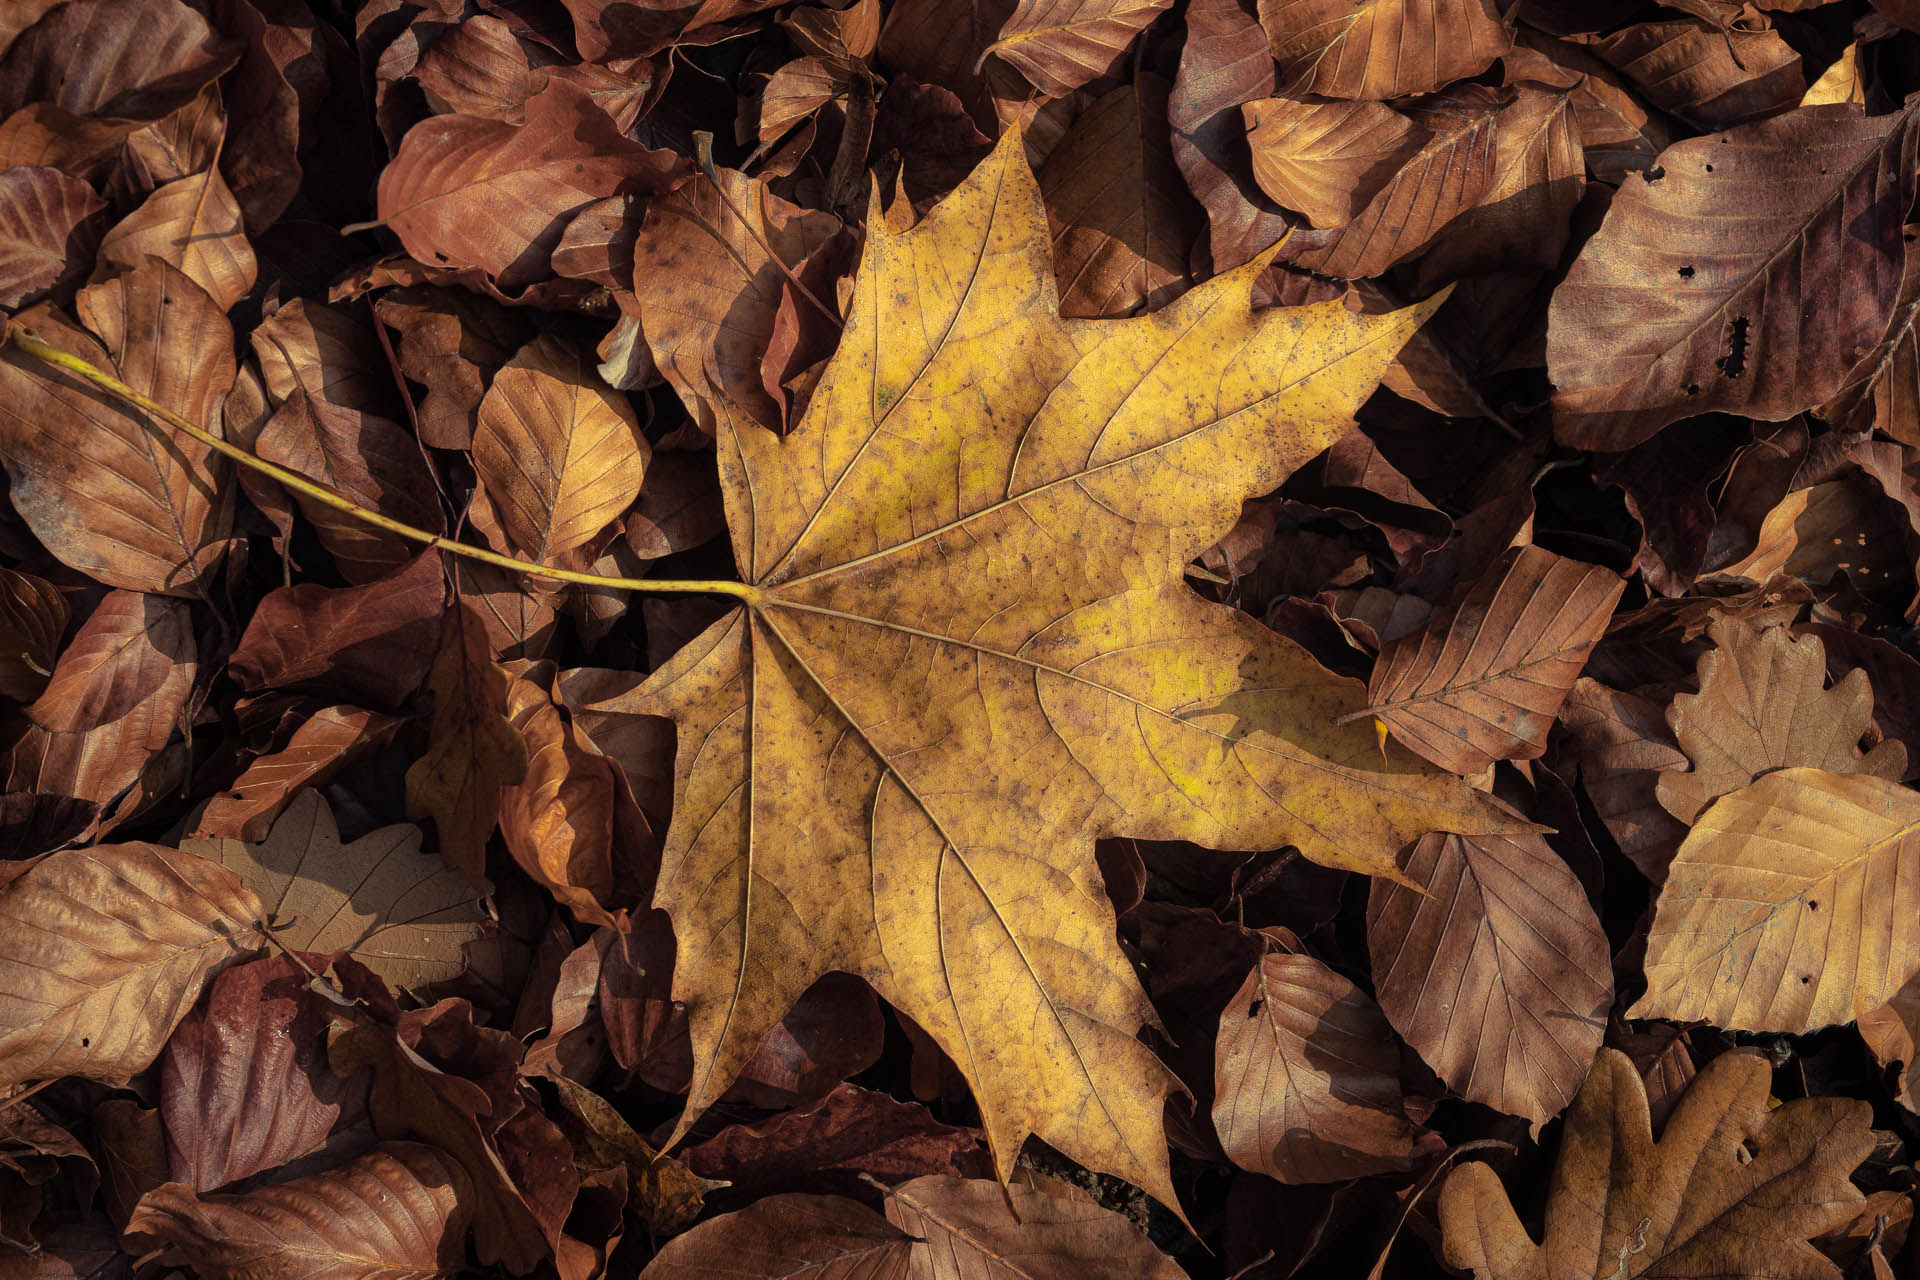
27	343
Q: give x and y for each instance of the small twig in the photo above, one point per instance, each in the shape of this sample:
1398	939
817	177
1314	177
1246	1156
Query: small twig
28	343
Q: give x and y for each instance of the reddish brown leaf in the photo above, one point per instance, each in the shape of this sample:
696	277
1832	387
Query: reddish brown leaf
39	210
1307	1076
191	223
1380	49
1222	67
94	480
451	342
245	1086
558	822
1059	45
104	950
465	191
320	747
1712	76
474	751
33	618
401	1209
1485	680
1122	220
371	644
1702	291
1326	159
114	701
118	61
709	288
1494	968
1620	744
806	1237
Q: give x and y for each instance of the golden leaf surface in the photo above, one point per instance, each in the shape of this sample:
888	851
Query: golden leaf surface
966	651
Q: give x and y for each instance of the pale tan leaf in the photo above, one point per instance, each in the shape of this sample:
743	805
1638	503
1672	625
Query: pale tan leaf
1764	705
103	951
1794	904
559	452
1732	1188
399	1212
402	913
1494	968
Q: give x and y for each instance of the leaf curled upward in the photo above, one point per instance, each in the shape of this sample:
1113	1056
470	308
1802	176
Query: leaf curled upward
966	651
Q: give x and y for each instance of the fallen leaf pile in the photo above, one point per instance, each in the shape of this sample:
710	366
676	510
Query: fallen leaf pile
902	638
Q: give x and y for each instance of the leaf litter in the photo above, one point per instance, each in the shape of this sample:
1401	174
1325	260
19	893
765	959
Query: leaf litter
1050	638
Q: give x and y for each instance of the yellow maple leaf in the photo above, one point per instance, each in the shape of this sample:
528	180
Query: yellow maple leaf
965	651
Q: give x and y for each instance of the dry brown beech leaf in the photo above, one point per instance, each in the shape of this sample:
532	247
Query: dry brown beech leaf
1704	291
320	747
39	209
1326	159
800	1237
558	822
244	1084
1711	75
1450	172
33	617
1793	904
1763	705
1380	49
1620	743
1307	1076
96	482
1485	680
469	191
115	699
400	1210
1222	67
194	224
1495	969
560	453
1730	1189
400	912
1059	45
1122	220
708	288
103	951
473	749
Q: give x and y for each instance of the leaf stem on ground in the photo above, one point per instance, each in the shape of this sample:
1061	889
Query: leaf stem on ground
28	343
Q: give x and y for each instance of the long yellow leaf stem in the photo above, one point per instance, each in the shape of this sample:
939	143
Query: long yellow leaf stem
27	343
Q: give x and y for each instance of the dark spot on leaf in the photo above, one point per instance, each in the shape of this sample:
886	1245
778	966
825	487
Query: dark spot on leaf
1805	979
1735	361
1813	904
1709	168
1686	273
1253	1010
1693	388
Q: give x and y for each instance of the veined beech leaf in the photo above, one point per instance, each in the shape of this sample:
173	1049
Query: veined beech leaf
1307	1076
1764	705
402	1209
103	951
708	288
805	1237
1792	905
1620	744
1731	1188
470	191
1326	159
1485	680
194	224
39	209
400	912
1713	75
244	1084
1059	45
560	453
913	616
1494	969
1223	67
1705	292
97	482
1123	223
320	747
1380	49
115	699
33	618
